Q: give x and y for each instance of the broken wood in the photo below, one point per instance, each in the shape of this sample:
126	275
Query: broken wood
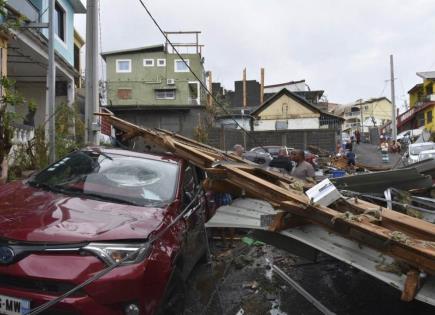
412	284
416	247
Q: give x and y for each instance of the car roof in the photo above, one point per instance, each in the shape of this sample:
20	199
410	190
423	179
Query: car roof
420	144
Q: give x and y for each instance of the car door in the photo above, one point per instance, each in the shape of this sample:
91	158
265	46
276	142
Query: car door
194	241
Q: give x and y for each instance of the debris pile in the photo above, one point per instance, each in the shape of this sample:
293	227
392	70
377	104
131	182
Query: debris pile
292	208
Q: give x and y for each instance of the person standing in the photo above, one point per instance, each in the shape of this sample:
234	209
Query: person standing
302	170
358	136
384	151
238	150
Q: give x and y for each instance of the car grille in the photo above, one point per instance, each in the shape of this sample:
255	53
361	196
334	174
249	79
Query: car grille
38	285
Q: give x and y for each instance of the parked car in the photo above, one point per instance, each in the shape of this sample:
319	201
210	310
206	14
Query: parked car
426	155
88	211
262	158
413	151
409	136
274	149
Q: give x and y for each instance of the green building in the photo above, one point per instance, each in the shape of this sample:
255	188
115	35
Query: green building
154	88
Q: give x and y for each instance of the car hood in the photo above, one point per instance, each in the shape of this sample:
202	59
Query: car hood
35	215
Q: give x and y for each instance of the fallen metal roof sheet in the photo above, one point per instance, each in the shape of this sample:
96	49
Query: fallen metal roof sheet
248	213
378	182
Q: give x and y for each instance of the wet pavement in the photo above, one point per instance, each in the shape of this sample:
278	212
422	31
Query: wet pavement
240	278
370	154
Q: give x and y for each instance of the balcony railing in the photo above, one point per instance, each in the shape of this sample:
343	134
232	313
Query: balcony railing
23	134
352	114
26	8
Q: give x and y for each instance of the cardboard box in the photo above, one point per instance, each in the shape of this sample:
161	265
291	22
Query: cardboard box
324	193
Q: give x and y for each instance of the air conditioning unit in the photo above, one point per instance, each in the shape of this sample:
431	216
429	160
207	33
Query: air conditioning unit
170	81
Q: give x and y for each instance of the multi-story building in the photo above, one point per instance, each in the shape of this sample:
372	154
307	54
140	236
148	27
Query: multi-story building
421	105
363	114
24	54
153	87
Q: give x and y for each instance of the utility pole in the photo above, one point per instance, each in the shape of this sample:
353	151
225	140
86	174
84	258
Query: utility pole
210	89
361	120
51	86
393	101
245	103
261	86
92	98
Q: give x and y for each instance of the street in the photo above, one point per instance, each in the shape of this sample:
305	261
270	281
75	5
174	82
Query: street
244	281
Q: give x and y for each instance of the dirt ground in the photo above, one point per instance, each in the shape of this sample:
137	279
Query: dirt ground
239	281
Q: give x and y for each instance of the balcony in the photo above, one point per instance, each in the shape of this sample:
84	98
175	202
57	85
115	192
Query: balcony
26	8
352	114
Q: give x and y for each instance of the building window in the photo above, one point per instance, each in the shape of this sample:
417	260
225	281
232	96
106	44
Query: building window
123	65
193	93
165	94
148	62
59	21
161	62
124	94
366	107
180	66
429	117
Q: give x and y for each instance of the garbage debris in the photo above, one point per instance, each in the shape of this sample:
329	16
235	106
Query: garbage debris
241	179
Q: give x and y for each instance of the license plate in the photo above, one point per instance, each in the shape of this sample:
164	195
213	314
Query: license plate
13	306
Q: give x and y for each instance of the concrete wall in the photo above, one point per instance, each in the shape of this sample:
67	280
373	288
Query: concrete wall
300	86
35	91
180	121
292	124
286	107
300	139
144	80
65	49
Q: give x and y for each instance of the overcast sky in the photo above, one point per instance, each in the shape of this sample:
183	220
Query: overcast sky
339	46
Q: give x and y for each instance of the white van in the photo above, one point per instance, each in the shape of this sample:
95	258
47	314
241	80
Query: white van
412	154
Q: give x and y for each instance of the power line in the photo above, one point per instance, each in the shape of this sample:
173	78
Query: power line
194	74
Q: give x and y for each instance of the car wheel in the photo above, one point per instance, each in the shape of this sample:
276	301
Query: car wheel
174	300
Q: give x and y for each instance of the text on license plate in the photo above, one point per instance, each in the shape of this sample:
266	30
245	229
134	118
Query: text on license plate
13	306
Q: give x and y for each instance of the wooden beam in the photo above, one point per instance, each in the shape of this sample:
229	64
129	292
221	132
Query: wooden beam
402	237
412	284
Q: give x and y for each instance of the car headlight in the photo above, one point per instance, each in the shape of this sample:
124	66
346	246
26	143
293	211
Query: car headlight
112	253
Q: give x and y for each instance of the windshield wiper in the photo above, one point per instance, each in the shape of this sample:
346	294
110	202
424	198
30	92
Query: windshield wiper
81	193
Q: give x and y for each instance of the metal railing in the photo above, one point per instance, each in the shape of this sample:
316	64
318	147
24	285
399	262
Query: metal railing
352	114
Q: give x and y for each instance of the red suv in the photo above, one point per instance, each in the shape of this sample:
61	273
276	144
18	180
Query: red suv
91	210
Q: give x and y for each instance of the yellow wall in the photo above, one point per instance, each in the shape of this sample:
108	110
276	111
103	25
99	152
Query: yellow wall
421	92
285	107
381	110
429	125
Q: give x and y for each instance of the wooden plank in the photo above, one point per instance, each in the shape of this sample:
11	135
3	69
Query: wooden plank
412	284
413	251
416	246
397	221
